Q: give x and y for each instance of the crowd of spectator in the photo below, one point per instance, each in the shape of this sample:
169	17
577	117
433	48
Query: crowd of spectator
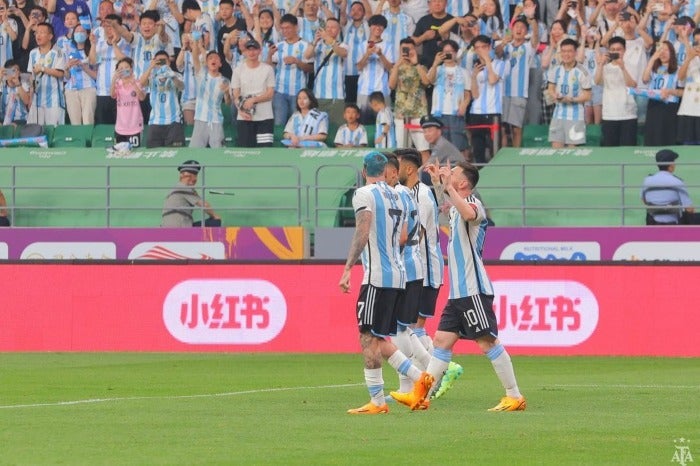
479	70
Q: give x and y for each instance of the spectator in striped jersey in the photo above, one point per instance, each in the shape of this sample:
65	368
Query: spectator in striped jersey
212	88
521	54
570	86
354	34
661	74
107	49
352	133
291	68
185	66
47	67
8	32
16	95
308	126
375	63
329	64
165	120
400	23
81	93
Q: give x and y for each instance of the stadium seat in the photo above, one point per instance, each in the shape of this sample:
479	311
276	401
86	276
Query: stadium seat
278	135
188	134
230	136
72	136
103	136
593	135
7	132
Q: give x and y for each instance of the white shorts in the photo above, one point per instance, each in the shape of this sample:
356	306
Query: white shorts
570	132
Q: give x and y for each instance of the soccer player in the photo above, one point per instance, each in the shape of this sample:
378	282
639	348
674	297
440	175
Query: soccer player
469	313
433	265
408	302
379	218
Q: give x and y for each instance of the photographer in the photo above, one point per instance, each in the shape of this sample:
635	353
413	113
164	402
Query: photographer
619	124
16	95
165	120
409	79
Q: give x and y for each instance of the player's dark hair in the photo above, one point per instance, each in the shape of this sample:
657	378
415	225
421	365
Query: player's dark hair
470	171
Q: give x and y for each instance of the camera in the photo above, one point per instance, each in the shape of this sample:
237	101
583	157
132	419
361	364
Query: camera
124	73
448	56
614	56
162	61
370	44
405	51
476	62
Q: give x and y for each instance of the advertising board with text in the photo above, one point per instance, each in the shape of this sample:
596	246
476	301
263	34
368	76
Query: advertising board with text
542	309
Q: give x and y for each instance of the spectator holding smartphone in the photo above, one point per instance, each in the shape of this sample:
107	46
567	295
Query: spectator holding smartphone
16	95
376	60
619	123
37	15
661	74
8	33
81	91
689	110
58	9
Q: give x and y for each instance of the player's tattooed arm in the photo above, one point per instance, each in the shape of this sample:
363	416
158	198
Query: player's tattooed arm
363	221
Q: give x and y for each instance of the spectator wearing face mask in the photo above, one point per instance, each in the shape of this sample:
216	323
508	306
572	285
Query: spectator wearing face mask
80	86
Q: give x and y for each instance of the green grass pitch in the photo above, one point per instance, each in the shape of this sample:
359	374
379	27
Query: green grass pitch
151	409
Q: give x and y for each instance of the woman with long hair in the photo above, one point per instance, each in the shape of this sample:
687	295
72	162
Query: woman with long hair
80	87
661	74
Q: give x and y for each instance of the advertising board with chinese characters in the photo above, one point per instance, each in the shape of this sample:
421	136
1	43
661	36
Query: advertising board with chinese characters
542	309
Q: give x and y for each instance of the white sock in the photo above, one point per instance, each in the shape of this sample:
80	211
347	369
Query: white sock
375	385
500	359
427	343
421	357
438	365
403	365
402	340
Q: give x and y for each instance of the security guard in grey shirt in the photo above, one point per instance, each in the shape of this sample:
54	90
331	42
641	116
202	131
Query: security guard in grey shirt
184	200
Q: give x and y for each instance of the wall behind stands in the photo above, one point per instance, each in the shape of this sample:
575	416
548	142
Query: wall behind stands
272	187
542	309
586	186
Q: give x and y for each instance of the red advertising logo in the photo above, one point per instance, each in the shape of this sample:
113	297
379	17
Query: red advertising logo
224	311
544	313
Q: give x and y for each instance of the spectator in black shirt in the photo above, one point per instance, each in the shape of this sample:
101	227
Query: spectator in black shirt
426	32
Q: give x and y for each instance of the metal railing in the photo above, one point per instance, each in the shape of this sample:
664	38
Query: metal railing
304	205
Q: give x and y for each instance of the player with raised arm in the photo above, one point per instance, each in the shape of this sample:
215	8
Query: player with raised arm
469	311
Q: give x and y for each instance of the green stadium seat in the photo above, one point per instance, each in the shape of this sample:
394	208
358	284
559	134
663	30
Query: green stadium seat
103	136
72	136
188	134
7	132
593	135
230	136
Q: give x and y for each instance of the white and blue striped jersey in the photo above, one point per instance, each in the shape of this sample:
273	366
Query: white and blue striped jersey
284	6
172	27
467	275
209	97
431	253
681	51
400	26
189	92
308	28
330	80
661	79
289	79
354	37
107	63
315	122
48	90
11	106
210	7
569	83
488	25
165	107
76	78
381	257
5	41
520	60
449	87
412	261
143	50
350	137
490	99
205	25
457	8
373	77
385	119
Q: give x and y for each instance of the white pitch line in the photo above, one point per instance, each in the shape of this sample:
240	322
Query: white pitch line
175	397
661	387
